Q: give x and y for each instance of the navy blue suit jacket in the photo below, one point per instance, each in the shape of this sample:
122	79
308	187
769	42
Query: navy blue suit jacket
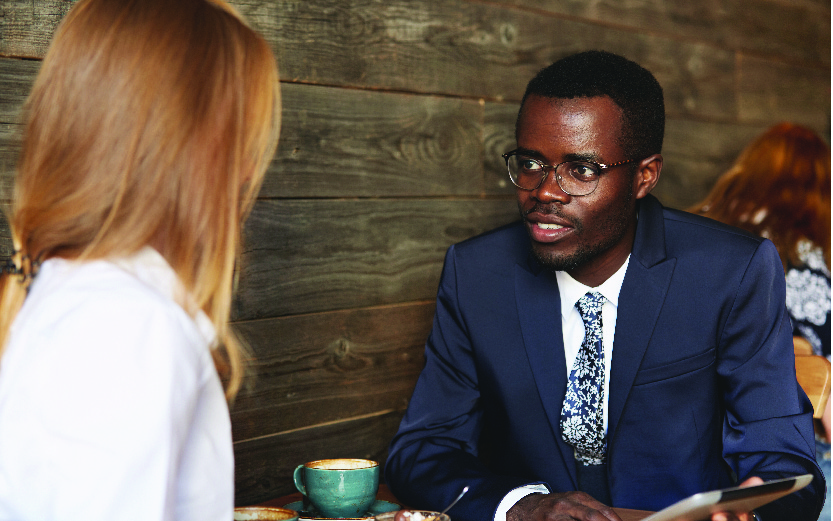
702	382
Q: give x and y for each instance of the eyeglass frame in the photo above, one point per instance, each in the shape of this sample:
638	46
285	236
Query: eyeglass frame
546	168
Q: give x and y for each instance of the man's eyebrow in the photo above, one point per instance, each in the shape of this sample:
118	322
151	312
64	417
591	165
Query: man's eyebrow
529	152
587	156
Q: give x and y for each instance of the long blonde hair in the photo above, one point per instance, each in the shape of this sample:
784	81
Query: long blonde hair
151	122
779	187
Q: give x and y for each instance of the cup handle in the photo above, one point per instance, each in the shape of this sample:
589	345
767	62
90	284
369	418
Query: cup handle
299	479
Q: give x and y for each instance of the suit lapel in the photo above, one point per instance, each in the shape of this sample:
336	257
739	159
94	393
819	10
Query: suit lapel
539	309
640	301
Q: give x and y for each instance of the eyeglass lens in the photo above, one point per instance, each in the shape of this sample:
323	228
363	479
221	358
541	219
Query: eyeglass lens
574	177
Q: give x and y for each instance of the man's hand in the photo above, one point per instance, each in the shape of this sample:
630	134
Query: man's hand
567	506
740	516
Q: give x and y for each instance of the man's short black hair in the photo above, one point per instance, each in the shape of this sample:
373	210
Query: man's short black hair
600	73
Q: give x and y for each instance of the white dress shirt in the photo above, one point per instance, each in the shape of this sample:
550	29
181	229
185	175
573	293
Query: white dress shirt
572	328
110	405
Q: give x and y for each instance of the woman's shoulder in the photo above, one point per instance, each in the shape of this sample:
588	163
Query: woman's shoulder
100	286
96	305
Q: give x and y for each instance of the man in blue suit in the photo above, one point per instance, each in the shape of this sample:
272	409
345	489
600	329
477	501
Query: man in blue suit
604	351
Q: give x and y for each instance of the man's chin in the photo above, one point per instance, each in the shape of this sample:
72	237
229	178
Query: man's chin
557	261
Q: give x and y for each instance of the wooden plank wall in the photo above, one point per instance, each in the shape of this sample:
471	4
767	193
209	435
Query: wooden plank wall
395	116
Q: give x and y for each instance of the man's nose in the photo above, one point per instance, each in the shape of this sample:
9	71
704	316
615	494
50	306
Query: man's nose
550	191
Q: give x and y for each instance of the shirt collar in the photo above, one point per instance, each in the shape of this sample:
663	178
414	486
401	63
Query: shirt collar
150	267
571	290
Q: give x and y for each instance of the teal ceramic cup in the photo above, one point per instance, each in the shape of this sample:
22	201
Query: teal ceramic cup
339	488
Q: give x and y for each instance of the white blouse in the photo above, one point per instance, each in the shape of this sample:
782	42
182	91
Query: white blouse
110	406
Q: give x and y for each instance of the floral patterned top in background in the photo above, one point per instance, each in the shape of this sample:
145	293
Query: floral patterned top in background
808	298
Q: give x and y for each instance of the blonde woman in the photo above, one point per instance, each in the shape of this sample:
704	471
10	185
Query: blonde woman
147	134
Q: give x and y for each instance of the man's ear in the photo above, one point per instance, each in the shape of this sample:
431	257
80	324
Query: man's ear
647	176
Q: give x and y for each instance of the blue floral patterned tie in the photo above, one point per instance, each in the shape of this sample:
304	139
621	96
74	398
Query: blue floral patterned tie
582	424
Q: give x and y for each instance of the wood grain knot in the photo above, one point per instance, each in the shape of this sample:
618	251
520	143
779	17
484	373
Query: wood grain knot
343	357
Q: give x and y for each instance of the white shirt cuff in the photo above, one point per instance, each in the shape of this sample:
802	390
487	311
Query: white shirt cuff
516	495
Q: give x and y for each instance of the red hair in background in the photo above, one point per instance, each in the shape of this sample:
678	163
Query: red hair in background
779	188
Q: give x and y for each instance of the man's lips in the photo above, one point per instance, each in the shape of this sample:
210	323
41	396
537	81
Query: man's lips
547	227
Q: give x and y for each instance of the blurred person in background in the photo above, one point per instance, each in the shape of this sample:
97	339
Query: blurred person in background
779	188
147	135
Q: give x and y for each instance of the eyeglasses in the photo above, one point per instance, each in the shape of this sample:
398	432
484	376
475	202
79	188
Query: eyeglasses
574	177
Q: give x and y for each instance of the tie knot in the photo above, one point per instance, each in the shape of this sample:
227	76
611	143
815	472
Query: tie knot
590	305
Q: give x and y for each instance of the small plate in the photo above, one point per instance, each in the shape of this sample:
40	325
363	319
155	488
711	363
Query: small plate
422	514
255	513
378	507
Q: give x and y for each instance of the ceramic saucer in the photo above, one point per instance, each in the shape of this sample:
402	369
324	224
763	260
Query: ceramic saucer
378	507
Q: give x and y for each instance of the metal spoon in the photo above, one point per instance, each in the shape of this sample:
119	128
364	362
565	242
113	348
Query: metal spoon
434	518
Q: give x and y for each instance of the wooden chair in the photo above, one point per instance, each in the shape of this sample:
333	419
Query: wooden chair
801	346
813	374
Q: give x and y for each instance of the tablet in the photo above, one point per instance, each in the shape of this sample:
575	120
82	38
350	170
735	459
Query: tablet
699	507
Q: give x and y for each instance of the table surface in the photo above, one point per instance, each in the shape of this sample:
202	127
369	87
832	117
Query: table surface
386	495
